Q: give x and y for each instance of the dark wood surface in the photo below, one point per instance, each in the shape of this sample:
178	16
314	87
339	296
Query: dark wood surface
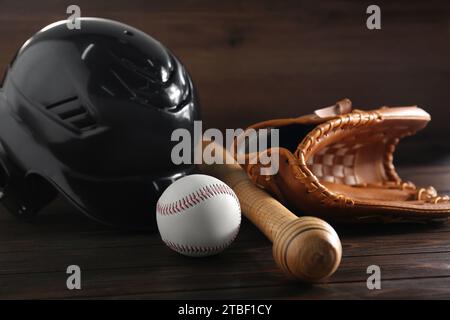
414	260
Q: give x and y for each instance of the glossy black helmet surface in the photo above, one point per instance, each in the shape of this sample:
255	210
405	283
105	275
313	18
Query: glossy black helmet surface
89	113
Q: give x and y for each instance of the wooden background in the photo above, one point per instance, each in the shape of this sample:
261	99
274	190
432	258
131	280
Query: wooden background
258	59
254	60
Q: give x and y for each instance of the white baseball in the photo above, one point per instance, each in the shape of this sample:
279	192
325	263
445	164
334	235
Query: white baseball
198	215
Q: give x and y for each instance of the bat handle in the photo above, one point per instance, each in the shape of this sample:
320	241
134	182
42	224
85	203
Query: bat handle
307	249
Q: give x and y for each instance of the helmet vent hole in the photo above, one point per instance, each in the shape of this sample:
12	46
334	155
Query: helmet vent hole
128	33
72	112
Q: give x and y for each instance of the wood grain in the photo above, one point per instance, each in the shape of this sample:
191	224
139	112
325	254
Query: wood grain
253	60
414	261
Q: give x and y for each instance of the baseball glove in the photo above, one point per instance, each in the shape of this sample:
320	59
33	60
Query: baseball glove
337	164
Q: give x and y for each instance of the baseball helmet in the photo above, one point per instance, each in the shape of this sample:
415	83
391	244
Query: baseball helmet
89	113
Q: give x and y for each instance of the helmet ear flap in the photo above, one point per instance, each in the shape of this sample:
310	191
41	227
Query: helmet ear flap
24	197
10	190
38	191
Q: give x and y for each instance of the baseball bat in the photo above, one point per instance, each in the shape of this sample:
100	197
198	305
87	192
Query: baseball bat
305	248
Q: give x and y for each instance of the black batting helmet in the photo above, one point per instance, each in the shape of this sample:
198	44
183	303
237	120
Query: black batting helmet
89	113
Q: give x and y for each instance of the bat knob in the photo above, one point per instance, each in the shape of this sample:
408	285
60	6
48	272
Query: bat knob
307	249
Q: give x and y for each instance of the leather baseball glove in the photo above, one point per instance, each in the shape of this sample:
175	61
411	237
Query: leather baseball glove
338	164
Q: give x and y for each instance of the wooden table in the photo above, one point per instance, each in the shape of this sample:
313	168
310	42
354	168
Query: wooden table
253	60
414	260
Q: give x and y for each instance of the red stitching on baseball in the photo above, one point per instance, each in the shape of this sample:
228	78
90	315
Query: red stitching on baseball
199	195
203	249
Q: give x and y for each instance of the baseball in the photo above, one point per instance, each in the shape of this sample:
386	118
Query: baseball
198	216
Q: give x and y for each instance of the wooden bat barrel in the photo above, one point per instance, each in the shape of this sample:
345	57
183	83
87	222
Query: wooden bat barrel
305	248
